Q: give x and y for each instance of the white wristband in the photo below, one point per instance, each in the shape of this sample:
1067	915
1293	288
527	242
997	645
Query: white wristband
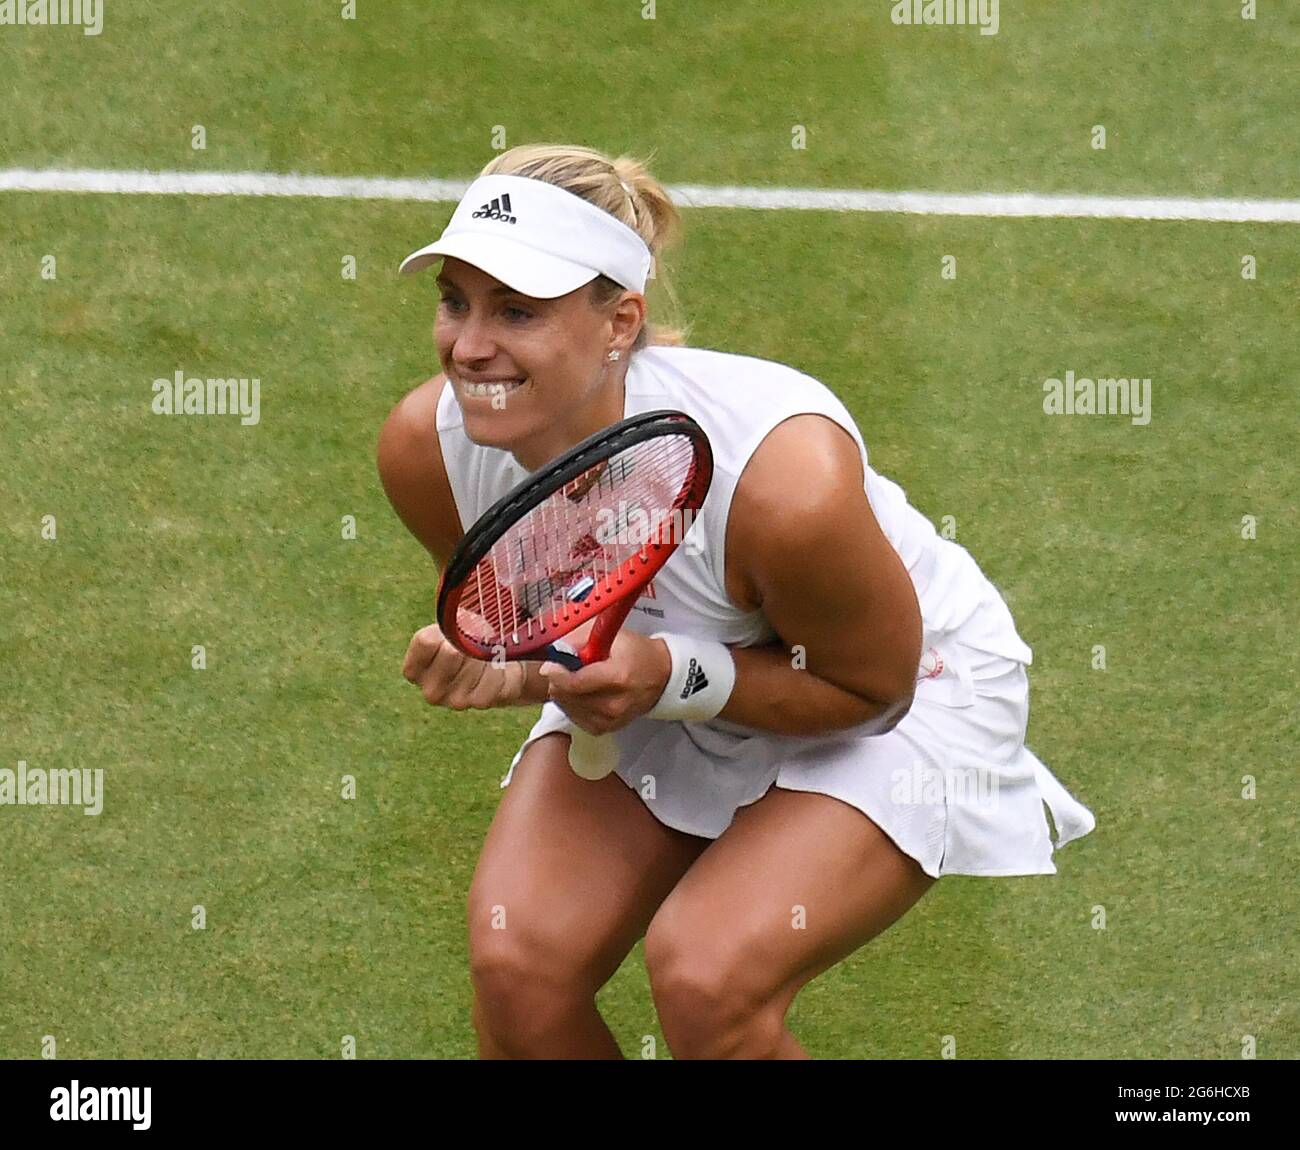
700	682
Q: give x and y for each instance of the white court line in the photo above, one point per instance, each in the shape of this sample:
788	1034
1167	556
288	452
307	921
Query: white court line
989	204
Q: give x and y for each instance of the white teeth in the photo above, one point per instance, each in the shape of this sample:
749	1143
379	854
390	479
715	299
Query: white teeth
485	389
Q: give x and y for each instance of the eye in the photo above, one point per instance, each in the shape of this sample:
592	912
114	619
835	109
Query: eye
518	314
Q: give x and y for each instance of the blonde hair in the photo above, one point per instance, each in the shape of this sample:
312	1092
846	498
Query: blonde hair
624	188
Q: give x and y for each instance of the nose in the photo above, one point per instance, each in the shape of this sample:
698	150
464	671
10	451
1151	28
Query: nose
472	341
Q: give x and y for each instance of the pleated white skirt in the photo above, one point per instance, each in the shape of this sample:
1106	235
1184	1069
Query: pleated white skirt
953	785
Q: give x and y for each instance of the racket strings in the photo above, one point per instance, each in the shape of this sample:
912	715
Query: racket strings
572	541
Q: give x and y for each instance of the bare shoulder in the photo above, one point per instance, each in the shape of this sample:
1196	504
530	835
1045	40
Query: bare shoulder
415	415
803	464
413	473
802	486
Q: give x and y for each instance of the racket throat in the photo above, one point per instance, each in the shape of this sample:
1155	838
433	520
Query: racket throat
599	642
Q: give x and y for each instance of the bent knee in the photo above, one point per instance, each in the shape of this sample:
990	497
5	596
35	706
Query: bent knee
695	974
524	990
522	961
707	1011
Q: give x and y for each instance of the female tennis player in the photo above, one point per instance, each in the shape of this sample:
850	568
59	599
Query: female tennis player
860	697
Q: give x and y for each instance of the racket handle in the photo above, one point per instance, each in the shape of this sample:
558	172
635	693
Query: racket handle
595	756
592	756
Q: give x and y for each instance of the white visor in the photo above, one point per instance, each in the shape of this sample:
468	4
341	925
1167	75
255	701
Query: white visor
537	238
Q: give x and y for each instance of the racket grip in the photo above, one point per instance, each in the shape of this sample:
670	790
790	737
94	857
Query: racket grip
592	756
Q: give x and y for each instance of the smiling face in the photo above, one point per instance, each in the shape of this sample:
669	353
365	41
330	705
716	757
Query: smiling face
532	375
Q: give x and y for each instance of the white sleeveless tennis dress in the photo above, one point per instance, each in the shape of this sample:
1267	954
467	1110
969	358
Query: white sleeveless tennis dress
953	784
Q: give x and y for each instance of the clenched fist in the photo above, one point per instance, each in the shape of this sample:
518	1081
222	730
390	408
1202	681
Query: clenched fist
450	679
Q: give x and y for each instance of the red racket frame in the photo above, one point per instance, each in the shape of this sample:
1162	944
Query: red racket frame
614	595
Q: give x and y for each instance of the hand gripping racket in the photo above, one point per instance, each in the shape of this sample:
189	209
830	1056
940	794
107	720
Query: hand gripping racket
579	538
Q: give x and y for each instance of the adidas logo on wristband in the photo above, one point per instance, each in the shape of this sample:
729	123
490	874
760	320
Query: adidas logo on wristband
701	676
696	680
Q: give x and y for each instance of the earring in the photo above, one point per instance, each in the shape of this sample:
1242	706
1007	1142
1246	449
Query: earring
613	355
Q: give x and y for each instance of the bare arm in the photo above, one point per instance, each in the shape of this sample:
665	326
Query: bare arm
808	548
414	476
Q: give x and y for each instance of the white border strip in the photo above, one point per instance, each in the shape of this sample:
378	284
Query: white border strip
992	205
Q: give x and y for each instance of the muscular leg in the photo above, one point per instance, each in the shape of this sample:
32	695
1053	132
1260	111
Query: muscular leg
570	875
798	882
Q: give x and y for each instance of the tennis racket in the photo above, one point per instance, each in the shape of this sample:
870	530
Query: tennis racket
578	539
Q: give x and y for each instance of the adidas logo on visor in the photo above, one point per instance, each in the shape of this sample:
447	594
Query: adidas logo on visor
498	209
